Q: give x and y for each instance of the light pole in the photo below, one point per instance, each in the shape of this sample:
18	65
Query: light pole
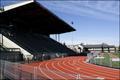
1	6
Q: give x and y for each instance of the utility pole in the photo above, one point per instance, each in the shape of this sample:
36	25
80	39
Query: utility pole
0	4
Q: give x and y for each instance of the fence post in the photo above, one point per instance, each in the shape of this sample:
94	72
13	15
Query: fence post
101	61
1	69
34	74
94	60
3	72
17	71
110	62
20	71
78	77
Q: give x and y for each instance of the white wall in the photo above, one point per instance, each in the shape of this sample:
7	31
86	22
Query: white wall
10	44
17	5
75	47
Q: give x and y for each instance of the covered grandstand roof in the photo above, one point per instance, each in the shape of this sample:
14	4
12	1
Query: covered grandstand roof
31	16
99	46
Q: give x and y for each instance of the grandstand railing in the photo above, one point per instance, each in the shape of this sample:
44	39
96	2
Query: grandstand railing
17	71
12	49
9	49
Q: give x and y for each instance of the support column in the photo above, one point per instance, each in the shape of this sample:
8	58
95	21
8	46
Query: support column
80	50
108	49
102	49
115	49
119	48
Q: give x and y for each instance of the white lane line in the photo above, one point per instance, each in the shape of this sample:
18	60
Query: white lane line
78	74
78	64
66	69
74	67
75	73
44	72
95	69
79	61
84	61
101	66
53	65
46	65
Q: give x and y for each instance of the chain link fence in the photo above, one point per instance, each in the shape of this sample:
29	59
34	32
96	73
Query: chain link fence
103	59
17	71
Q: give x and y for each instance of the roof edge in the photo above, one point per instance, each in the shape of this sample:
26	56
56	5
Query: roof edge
9	7
73	29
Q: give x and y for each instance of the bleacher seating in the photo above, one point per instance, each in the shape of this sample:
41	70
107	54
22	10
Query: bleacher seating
35	43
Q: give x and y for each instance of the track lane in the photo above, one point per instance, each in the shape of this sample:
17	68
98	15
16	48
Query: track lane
58	71
92	71
76	71
50	69
82	74
99	69
44	72
53	69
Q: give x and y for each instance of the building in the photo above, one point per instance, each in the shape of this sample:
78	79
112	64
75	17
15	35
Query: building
94	47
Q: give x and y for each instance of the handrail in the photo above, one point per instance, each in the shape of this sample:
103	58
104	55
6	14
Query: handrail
12	49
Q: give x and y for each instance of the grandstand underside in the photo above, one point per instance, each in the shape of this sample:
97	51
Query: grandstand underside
30	26
33	18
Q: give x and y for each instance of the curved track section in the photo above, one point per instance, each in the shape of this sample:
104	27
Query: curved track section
75	68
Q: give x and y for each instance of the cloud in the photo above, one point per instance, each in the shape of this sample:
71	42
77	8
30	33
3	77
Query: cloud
107	10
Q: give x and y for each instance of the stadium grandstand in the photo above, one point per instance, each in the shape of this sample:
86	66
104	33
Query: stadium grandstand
29	25
27	52
25	30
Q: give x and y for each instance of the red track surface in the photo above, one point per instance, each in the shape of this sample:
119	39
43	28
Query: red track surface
73	68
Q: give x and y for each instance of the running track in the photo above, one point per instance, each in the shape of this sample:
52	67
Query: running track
73	68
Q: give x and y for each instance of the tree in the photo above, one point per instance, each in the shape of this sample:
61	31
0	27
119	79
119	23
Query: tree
1	9
81	44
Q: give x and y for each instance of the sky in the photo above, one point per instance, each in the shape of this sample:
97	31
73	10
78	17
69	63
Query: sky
95	21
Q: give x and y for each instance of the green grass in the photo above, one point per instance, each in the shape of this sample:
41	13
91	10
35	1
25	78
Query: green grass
116	64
